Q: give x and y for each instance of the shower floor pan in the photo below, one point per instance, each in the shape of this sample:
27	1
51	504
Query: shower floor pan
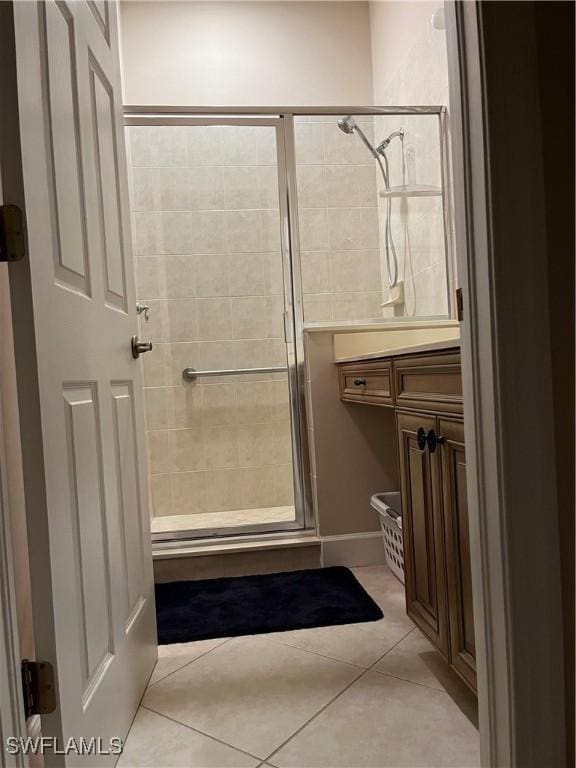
227	519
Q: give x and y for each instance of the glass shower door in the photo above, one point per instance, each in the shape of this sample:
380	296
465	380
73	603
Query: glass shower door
213	266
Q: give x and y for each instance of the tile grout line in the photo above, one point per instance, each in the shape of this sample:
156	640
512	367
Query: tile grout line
314	653
413	682
201	733
187	664
328	704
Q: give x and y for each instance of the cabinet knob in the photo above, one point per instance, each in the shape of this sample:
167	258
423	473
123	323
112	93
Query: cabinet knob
359	382
421	438
434	440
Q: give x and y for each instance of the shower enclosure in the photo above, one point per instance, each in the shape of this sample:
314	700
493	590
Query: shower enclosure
247	227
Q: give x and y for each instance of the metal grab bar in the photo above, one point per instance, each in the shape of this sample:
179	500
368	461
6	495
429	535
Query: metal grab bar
191	374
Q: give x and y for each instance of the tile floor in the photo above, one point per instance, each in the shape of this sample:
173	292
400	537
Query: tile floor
227	519
364	695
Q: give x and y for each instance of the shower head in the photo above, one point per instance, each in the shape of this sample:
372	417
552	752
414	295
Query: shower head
348	125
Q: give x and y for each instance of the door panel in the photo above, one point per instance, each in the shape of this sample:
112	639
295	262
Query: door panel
455	503
424	556
79	387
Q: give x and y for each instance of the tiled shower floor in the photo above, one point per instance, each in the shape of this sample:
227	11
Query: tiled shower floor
371	695
228	519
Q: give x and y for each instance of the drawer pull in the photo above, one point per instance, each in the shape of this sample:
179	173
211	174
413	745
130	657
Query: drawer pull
359	382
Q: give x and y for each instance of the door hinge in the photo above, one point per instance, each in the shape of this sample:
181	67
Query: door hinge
12	240
38	687
459	305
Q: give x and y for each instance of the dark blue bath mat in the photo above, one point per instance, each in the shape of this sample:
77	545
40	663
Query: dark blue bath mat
252	605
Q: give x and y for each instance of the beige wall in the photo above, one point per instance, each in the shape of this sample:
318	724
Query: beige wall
353	447
246	53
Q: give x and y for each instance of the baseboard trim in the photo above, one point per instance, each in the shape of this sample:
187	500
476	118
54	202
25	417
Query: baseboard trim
353	549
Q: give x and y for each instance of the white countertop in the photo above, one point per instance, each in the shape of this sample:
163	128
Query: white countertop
427	346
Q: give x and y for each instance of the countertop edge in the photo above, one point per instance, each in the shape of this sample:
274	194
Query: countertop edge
428	346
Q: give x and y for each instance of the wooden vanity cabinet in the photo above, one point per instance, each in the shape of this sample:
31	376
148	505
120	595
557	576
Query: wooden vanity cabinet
423	529
426	393
458	564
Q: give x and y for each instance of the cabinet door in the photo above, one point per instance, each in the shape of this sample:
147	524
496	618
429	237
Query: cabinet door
424	558
455	503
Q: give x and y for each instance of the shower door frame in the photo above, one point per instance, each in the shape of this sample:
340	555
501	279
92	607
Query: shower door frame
282	118
293	311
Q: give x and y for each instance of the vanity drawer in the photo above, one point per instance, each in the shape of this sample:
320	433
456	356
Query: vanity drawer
429	382
366	383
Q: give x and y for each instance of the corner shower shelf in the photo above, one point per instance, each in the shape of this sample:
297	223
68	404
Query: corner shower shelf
412	190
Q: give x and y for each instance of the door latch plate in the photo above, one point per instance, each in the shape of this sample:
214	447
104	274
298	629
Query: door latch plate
12	240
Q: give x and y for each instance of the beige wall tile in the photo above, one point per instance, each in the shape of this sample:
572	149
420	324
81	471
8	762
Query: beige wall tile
208	234
158	405
160	451
188	449
157	366
221	447
206	188
218	404
309	143
150	278
311	185
270	223
157	327
147	233
139	137
241	188
240	144
204	144
214	319
342	188
183	355
182	320
314	229
268	183
275	317
258	488
161	495
255	445
174	188
212	277
253	402
315	267
244	231
188	490
222	489
247	274
186	405
143	184
167	146
248	318
180	276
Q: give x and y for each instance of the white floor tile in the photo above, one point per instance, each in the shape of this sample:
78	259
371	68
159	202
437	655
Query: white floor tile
380	722
155	742
360	644
251	693
177	655
415	659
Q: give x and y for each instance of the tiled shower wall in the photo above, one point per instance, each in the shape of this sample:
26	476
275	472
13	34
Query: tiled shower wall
419	78
338	221
206	233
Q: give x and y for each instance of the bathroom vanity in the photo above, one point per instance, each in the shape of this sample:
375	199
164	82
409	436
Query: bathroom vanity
424	387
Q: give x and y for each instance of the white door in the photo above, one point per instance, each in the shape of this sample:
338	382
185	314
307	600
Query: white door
63	162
